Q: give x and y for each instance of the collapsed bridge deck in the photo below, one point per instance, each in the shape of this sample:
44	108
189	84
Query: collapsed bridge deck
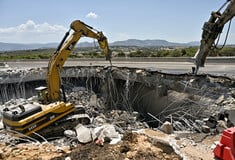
155	94
182	99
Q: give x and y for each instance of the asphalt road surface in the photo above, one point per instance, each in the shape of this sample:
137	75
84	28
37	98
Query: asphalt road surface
169	67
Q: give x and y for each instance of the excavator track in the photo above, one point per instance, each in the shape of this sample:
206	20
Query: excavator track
54	129
57	129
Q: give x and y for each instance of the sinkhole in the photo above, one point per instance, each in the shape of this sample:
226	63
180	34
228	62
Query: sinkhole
157	96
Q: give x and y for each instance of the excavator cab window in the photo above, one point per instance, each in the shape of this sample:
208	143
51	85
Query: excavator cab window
42	94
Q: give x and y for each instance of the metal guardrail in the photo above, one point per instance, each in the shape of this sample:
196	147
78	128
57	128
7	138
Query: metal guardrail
162	59
144	59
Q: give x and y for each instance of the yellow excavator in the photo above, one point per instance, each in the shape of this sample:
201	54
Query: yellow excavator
52	106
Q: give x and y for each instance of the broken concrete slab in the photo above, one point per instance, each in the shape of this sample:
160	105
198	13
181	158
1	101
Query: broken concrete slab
220	99
205	129
70	133
221	126
167	128
1	125
84	134
100	119
106	130
230	110
93	100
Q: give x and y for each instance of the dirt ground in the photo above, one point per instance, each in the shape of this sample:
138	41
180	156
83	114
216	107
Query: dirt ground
147	144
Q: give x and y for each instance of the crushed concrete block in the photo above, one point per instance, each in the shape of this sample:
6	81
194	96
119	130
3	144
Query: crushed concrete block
205	129
167	128
221	126
106	131
69	133
136	114
124	117
230	110
93	100
83	134
99	120
211	122
138	71
220	99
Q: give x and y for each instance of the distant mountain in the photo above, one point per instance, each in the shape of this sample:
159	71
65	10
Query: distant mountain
150	43
193	43
87	44
129	42
19	46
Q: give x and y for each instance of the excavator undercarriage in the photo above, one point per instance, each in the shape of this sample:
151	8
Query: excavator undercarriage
49	120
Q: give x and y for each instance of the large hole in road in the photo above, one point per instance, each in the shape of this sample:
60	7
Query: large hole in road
179	98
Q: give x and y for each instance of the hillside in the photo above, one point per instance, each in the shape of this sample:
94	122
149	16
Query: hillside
150	43
20	46
129	42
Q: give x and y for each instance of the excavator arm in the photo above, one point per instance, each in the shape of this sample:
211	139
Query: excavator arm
64	50
212	30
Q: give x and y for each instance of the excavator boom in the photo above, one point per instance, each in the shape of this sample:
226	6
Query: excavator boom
64	50
211	31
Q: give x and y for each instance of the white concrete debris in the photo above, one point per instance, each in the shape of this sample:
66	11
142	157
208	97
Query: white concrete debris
93	100
1	124
106	130
70	133
167	128
67	158
221	126
86	135
220	100
205	129
83	134
230	109
100	119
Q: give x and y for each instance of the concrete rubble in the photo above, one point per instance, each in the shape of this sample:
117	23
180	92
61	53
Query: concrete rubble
83	134
178	112
167	128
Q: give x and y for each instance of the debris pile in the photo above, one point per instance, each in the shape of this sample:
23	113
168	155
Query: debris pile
112	130
189	110
96	108
203	107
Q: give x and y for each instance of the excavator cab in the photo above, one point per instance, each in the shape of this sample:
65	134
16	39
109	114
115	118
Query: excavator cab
42	94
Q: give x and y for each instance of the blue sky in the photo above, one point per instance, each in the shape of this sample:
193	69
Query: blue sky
43	21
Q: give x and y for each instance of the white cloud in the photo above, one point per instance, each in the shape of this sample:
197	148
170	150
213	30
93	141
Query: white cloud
31	32
92	15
